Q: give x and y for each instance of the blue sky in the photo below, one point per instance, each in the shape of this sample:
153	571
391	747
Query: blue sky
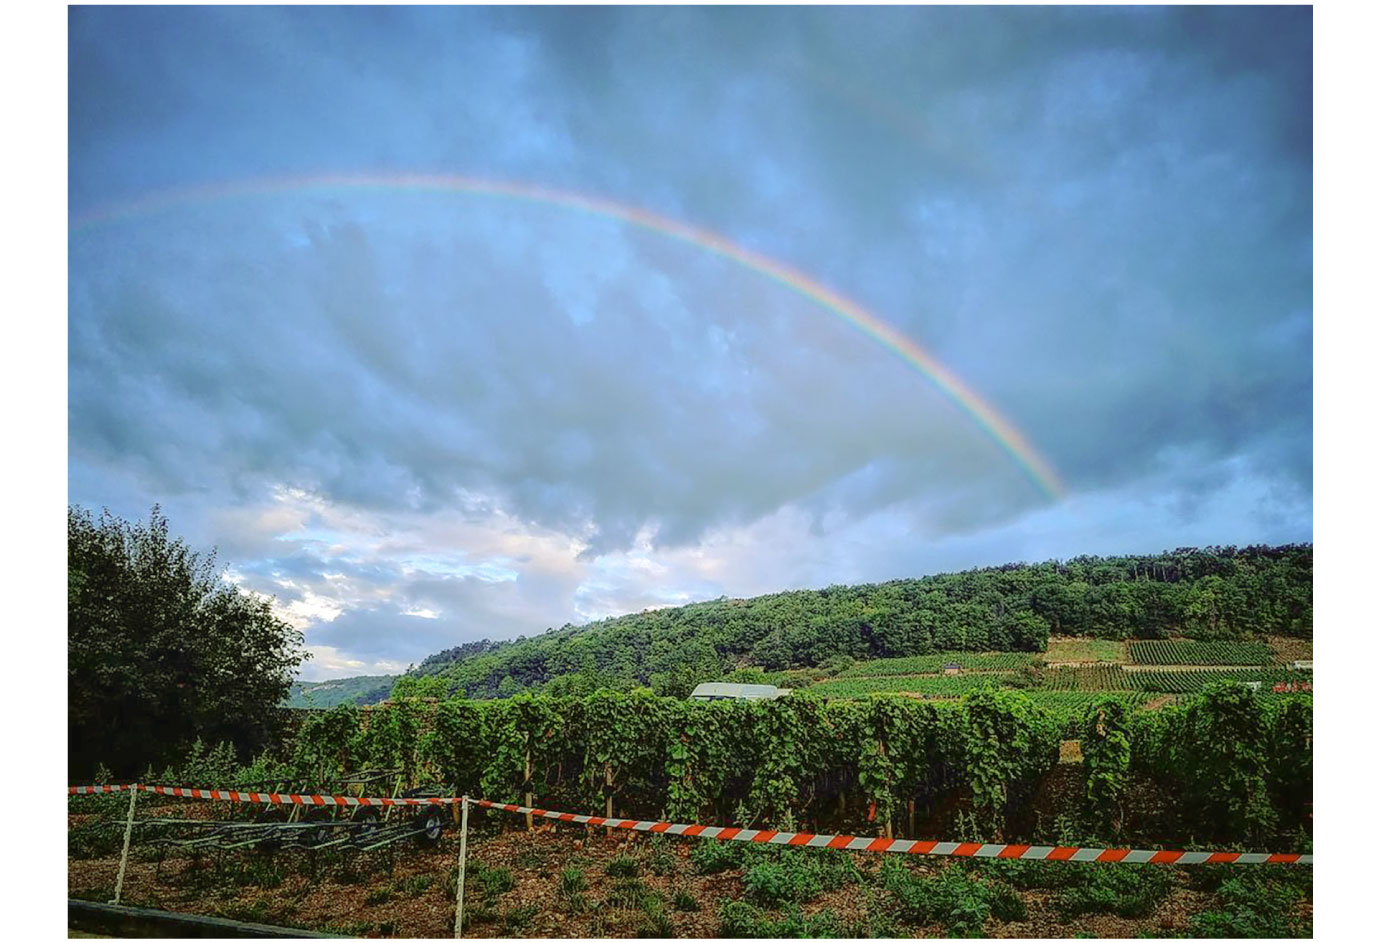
419	418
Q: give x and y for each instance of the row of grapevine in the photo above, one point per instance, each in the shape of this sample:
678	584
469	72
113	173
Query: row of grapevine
1157	653
933	685
1068	707
1195	680
864	766
1101	677
934	663
781	764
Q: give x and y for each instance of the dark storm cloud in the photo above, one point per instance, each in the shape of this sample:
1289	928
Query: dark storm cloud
1099	218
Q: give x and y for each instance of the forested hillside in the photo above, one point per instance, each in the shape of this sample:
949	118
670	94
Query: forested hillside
1216	593
322	695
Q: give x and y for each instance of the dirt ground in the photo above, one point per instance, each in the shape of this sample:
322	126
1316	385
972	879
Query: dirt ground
1291	649
412	893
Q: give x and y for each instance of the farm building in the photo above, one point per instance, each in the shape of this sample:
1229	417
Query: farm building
952	669
721	691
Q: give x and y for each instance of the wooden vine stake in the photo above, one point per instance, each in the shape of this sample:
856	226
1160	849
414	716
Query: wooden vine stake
886	828
608	790
527	780
460	877
124	853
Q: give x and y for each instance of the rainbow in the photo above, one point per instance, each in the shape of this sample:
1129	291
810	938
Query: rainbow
999	429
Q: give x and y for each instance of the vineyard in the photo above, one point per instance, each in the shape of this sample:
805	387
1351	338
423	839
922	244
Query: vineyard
1227	768
935	685
933	663
835	765
1208	653
1192	681
1102	677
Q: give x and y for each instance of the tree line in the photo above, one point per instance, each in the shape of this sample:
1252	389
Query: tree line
1215	593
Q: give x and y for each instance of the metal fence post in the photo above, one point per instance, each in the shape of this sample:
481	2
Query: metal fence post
124	854
460	878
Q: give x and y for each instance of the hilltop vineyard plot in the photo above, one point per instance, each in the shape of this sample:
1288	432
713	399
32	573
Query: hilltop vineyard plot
1225	653
936	685
935	663
1192	681
1102	677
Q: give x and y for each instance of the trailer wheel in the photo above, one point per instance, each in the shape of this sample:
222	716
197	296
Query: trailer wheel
269	816
430	822
310	837
366	822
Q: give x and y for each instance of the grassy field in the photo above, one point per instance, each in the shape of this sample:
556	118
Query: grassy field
1085	650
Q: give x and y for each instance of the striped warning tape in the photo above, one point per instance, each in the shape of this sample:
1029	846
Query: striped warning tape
264	798
97	789
834	841
900	846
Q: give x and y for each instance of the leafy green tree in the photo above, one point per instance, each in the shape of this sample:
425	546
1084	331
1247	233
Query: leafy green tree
161	651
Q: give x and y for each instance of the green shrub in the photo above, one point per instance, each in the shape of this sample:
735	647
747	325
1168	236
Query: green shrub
953	897
685	901
788	880
1033	874
716	856
378	895
1255	904
1130	890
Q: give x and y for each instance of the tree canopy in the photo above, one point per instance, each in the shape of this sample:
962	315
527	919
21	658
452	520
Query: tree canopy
161	650
1214	593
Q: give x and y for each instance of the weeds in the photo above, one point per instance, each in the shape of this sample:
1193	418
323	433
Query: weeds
630	893
685	902
1131	890
415	885
742	920
1253	905
519	917
624	865
493	880
572	881
656	924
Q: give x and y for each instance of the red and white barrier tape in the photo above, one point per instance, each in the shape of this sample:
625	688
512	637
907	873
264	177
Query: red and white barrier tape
263	798
900	846
834	841
97	789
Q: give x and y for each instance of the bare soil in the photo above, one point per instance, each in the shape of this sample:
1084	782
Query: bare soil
1291	649
412	894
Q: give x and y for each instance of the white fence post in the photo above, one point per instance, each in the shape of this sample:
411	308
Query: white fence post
460	878
124	854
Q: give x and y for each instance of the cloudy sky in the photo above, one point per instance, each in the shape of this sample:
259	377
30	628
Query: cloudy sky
442	324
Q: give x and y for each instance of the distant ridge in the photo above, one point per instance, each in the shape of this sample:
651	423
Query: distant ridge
1212	593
